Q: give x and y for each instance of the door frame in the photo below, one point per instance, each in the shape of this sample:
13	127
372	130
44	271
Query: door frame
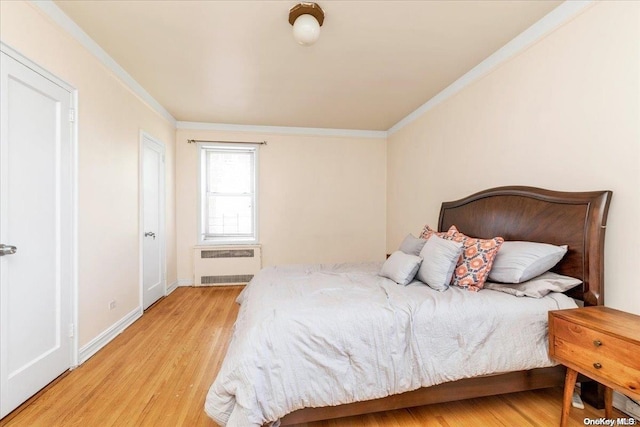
161	235
8	50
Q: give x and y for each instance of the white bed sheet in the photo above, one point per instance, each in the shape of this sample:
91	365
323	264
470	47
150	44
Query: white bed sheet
320	335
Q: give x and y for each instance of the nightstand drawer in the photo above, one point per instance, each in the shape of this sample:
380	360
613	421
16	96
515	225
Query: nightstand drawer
601	343
597	354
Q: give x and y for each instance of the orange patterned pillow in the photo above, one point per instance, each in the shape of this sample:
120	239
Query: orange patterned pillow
476	260
428	232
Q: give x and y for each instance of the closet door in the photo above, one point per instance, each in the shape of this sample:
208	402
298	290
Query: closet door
153	250
36	232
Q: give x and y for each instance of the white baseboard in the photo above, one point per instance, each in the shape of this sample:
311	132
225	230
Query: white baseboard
185	282
220	285
104	338
625	405
172	287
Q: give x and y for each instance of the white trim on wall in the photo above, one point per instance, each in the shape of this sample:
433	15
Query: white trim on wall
61	18
76	219
185	282
551	21
287	130
172	287
93	346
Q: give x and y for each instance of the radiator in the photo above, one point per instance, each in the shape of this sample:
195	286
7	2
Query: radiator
225	265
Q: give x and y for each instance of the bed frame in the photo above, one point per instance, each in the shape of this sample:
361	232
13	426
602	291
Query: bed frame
515	213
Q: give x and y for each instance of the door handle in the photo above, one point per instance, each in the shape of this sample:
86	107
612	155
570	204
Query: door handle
7	250
150	234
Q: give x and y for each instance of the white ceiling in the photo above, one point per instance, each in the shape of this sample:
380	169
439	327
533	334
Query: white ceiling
236	62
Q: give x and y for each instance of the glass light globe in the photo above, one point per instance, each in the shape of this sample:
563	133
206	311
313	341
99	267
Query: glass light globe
306	30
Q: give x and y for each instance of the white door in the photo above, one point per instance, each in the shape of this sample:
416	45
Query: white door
153	260
36	206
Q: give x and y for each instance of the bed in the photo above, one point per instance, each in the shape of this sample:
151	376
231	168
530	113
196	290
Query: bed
279	313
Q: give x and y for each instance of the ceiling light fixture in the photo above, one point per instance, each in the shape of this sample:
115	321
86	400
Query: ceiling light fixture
306	18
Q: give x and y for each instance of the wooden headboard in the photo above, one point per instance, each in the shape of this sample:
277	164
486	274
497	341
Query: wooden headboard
537	215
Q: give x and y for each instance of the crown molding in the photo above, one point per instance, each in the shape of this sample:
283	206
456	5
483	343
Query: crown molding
554	19
551	21
285	130
50	9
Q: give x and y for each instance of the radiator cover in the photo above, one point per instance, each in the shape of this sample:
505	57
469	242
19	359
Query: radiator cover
225	265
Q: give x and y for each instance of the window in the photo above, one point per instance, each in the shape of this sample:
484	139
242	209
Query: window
228	193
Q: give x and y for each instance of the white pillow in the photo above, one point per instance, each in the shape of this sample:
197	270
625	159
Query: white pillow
401	267
518	262
439	259
412	245
537	287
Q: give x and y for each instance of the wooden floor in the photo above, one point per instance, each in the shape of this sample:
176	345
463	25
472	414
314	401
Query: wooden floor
158	371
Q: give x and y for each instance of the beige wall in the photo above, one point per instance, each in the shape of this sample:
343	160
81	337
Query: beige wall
321	199
564	115
110	118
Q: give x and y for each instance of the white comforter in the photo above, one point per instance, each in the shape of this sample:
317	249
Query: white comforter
319	335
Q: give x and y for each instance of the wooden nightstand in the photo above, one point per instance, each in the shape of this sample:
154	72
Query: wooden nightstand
601	343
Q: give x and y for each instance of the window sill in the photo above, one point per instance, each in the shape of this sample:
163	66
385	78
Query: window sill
234	242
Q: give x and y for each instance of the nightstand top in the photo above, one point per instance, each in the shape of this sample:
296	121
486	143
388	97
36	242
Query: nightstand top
621	324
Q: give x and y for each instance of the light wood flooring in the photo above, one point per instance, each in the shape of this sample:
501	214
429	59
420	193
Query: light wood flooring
158	371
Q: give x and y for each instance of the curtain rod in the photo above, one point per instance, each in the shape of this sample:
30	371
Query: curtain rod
193	141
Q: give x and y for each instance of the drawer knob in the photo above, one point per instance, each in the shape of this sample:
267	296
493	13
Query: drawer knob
597	365
597	343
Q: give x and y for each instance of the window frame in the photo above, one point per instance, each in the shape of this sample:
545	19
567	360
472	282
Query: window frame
203	148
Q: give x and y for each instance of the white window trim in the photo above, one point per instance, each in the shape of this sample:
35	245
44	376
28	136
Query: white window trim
202	146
